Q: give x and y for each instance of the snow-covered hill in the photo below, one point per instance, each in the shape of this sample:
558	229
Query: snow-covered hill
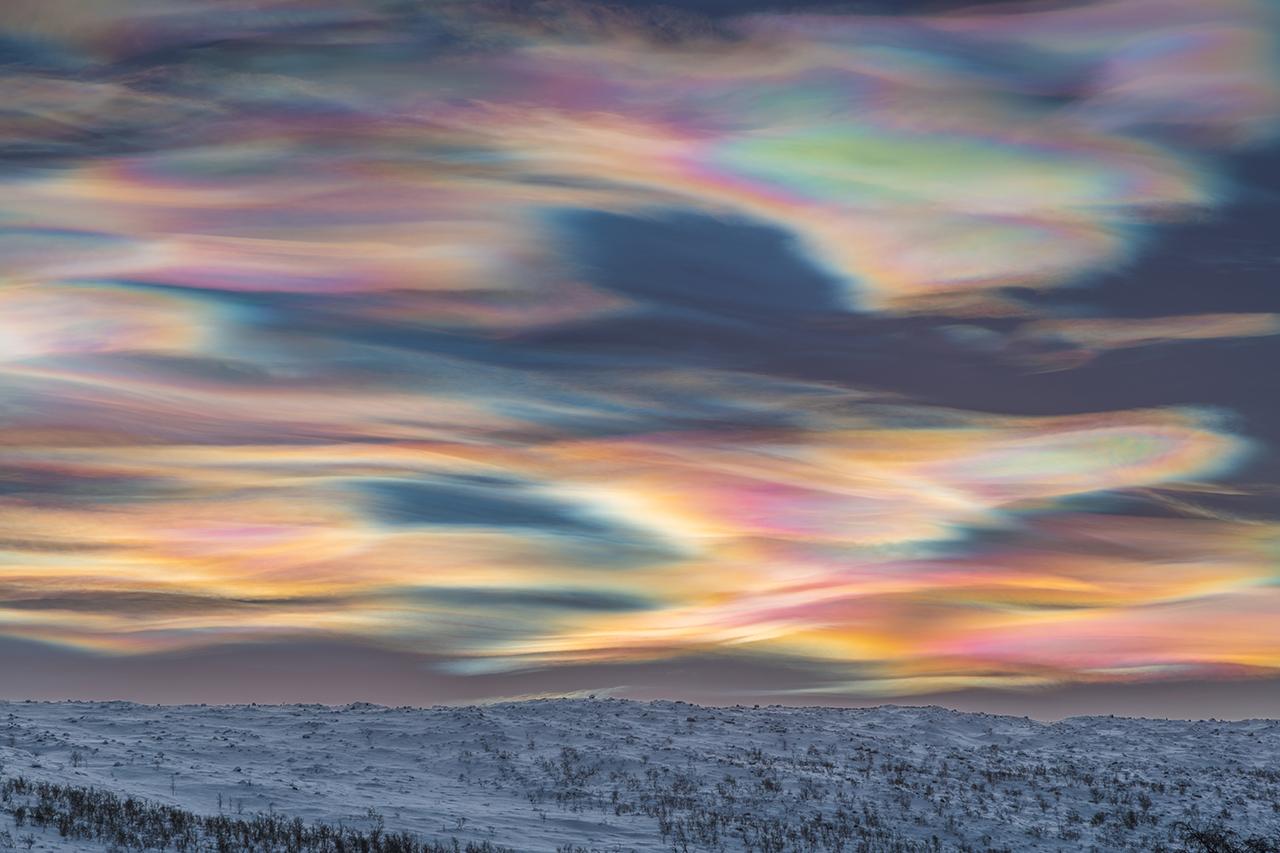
618	775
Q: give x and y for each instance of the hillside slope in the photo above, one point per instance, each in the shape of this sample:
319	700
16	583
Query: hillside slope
620	775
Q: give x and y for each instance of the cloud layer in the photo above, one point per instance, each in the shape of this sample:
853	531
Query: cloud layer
540	335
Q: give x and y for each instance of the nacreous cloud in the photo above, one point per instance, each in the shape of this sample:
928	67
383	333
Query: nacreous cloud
305	332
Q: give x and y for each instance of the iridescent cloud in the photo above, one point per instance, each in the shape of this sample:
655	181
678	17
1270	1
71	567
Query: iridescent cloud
310	327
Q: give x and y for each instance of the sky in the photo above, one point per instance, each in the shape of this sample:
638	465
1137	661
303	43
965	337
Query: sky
420	351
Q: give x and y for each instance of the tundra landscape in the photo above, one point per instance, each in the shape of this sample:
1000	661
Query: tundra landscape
594	426
570	776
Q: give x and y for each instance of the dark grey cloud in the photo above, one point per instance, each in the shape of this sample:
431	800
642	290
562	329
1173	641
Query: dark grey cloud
697	262
589	600
468	503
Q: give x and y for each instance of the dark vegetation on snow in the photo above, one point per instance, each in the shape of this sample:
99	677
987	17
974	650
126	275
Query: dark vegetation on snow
131	824
128	823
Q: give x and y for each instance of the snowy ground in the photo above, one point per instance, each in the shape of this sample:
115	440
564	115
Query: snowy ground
620	775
